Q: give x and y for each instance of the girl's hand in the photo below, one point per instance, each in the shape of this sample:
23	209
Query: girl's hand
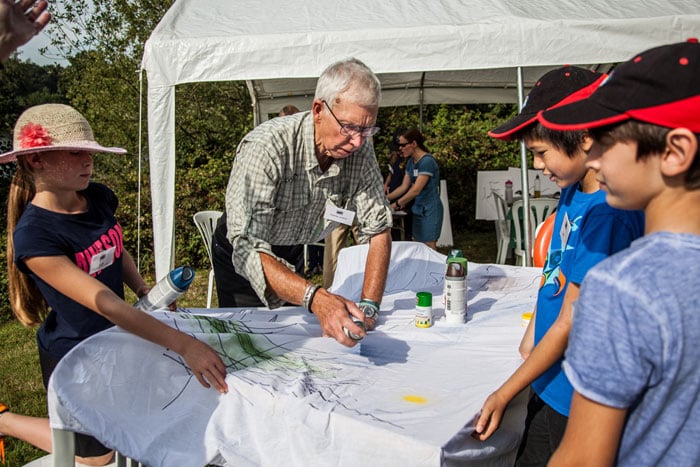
205	364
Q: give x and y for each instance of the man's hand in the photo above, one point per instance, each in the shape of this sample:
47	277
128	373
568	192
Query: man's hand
333	313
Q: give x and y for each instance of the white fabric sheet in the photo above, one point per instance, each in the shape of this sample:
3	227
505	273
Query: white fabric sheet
404	396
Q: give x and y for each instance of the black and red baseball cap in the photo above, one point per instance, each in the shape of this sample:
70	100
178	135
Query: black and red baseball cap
660	86
557	87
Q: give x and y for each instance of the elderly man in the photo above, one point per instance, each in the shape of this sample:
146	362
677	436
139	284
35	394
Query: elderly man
294	179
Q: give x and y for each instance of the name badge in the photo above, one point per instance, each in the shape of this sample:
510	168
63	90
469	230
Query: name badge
101	260
565	231
415	172
336	214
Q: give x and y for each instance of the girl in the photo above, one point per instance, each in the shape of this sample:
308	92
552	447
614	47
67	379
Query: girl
420	184
67	264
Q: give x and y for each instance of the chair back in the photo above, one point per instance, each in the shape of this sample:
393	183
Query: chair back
502	228
501	220
540	208
206	223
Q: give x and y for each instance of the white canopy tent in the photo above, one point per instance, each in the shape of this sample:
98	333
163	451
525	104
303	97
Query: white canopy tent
447	51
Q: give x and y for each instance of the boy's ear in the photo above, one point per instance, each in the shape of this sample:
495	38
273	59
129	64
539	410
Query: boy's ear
586	143
681	147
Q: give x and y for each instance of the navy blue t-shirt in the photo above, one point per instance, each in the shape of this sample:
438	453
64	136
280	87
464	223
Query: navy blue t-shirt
80	237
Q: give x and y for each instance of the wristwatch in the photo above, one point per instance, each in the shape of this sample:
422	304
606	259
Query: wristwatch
370	308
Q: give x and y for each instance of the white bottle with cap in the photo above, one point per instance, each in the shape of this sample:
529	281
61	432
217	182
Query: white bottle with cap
509	192
456	291
167	290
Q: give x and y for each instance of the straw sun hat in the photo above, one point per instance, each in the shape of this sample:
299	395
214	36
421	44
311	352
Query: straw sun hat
51	127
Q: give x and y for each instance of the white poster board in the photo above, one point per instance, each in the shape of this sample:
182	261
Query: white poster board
487	182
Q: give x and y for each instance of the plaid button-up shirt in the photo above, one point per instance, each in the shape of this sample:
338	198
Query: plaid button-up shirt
277	194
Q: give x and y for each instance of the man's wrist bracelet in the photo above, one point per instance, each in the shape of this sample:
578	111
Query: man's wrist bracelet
309	294
370	302
370	308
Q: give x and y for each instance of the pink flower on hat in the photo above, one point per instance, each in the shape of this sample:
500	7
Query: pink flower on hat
34	135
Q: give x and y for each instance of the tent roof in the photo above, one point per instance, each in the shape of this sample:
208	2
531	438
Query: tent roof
269	40
468	49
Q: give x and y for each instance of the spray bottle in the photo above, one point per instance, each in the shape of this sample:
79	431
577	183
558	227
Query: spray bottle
167	290
509	192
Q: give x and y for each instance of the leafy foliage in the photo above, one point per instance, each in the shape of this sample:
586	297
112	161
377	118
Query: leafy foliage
102	82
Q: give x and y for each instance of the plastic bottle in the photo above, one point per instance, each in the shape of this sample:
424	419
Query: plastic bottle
538	187
167	290
509	192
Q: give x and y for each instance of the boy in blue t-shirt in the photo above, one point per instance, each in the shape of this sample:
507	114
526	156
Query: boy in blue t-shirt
586	231
635	342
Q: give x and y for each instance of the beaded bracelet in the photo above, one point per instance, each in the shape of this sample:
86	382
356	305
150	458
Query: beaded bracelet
371	304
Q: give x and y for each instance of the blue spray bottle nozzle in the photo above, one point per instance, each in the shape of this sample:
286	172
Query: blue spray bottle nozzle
182	277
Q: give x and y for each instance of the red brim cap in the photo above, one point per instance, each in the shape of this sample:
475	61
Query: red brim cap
554	88
659	86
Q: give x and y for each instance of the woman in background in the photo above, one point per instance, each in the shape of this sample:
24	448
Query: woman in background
421	185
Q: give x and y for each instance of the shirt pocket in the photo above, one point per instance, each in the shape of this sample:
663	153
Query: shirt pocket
293	193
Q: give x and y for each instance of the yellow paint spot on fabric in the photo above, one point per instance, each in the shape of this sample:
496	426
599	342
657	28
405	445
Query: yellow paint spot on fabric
415	399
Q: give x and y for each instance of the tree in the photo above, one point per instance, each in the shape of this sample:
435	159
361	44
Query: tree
104	43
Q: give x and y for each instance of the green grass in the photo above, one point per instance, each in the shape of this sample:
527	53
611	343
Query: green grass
21	388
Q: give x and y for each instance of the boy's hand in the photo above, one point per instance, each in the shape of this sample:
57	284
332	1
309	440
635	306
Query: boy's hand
490	417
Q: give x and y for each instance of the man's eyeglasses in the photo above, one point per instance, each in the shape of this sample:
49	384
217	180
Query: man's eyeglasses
402	144
347	129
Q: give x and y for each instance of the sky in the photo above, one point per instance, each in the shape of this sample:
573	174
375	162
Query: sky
30	50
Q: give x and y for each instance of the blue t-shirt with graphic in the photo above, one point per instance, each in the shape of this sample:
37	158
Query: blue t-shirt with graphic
635	344
79	237
586	231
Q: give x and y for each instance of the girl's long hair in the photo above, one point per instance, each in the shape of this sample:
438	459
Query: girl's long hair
26	301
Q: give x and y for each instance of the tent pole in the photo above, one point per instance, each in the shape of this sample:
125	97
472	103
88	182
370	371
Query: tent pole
257	118
524	177
421	93
138	196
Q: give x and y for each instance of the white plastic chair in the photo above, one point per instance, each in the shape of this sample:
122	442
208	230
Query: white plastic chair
540	209
206	223
502	228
